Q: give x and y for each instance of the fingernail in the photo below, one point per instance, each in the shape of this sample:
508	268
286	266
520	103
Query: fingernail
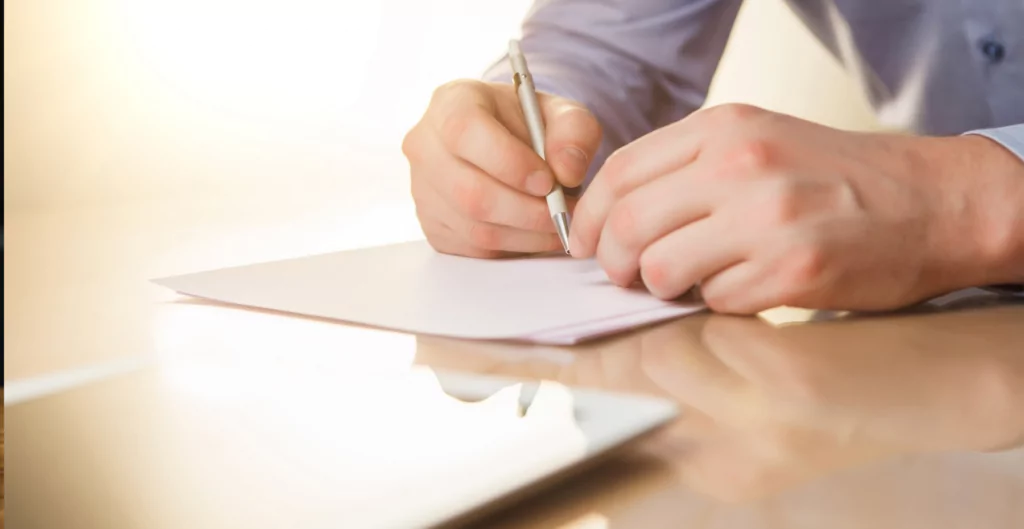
539	183
575	161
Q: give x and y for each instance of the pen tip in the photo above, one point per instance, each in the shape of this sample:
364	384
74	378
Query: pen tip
562	227
513	47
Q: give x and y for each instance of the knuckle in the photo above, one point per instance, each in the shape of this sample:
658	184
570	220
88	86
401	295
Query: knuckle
486	236
455	90
413	142
754	155
409	143
843	196
616	170
471	200
804	265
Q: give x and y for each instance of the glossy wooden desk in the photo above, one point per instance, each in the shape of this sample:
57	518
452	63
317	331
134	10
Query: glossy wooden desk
793	420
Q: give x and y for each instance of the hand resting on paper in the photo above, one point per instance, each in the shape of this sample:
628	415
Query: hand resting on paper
478	186
762	209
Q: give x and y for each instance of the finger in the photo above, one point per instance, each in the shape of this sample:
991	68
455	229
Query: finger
630	167
657	152
572	139
741	289
675	263
471	131
682	364
787	266
479	235
432	212
503	238
443	240
476	196
650	213
727	291
760	353
572	134
454	246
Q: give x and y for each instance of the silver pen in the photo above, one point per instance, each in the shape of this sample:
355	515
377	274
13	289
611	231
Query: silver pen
535	124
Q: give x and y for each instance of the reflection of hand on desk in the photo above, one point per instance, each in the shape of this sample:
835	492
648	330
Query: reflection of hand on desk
928	382
765	408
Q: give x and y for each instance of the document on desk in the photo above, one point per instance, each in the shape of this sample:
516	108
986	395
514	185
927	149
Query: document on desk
409	287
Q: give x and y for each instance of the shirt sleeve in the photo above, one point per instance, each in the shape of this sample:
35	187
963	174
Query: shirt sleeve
636	64
1011	137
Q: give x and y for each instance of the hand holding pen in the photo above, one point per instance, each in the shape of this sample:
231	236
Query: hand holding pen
480	182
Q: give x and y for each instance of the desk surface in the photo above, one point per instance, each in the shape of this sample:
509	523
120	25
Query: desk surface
794	419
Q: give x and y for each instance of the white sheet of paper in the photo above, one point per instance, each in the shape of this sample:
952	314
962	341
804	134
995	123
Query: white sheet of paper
409	287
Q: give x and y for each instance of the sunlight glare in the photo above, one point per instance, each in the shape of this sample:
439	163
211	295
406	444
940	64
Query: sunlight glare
257	56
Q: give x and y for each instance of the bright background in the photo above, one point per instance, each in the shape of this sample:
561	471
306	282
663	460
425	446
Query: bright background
111	100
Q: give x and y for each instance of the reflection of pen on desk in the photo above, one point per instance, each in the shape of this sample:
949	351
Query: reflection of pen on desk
535	124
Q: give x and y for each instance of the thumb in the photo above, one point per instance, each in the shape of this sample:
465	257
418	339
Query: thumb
572	138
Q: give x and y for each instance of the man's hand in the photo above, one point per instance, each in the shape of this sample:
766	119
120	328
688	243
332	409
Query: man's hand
761	210
478	185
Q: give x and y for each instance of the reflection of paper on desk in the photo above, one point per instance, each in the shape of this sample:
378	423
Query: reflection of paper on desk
410	287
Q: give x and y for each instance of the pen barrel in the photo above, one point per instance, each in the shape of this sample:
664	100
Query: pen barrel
556	200
532	113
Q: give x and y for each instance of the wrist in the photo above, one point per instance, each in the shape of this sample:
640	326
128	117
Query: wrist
985	181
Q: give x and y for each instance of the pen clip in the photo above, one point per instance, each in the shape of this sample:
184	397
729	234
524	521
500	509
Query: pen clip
517	79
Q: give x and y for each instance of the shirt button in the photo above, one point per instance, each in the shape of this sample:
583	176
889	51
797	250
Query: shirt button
994	50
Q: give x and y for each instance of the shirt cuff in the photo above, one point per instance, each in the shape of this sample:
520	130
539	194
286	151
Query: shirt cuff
1011	137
